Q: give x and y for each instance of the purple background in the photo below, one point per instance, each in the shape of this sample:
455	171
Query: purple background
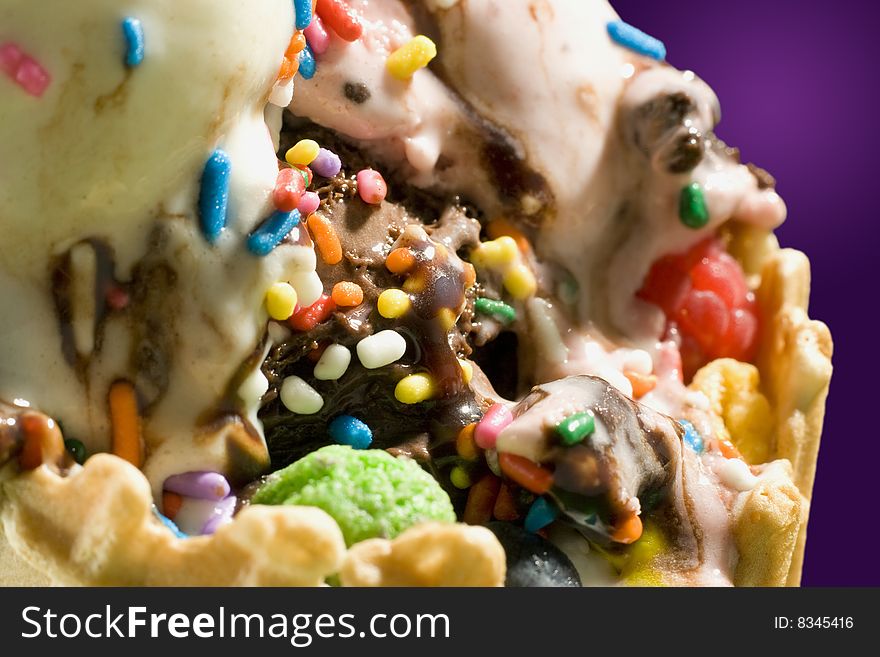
798	85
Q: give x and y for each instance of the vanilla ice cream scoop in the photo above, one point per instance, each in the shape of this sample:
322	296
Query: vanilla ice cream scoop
109	115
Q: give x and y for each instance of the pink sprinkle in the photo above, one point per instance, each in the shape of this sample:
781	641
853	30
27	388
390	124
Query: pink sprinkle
24	70
308	203
117	298
492	424
317	36
371	186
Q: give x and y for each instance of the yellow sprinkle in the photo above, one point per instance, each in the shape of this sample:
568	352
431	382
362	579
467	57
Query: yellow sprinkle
303	152
467	370
520	282
447	318
393	303
508	250
410	57
280	301
414	388
460	478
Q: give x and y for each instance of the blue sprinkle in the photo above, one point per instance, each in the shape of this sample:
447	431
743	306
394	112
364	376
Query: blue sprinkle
303	11
692	437
133	32
636	40
169	524
307	64
214	195
540	514
348	430
270	233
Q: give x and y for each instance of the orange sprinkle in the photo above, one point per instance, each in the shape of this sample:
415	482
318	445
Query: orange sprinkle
728	449
346	293
502	227
400	261
481	500
628	531
465	445
642	383
297	45
326	239
288	69
527	474
125	422
171	503
505	505
42	441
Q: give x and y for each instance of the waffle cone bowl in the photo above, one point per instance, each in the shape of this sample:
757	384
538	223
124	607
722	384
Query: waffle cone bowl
556	344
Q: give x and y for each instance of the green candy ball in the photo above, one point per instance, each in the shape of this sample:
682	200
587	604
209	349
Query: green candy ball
369	493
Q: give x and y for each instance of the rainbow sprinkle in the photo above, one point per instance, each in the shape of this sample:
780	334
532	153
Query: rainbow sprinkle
214	195
272	232
633	38
303	11
133	32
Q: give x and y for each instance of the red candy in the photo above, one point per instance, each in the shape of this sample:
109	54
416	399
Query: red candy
305	319
289	188
339	17
703	293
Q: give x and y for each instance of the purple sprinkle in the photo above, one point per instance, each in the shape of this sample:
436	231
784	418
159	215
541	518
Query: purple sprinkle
222	514
308	203
327	164
200	485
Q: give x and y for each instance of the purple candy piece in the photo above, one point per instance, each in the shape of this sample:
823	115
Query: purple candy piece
327	164
222	514
200	485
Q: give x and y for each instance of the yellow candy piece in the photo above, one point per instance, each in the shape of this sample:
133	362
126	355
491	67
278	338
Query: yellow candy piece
520	282
414	389
733	389
447	318
280	301
467	370
303	152
415	284
460	477
410	57
393	303
496	254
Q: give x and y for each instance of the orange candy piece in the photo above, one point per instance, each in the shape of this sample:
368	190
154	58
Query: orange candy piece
505	505
297	45
326	240
526	473
481	500
642	383
400	261
171	503
465	445
628	531
125	423
504	228
347	294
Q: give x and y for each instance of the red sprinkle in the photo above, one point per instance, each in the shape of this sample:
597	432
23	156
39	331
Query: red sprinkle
289	188
340	18
305	319
117	297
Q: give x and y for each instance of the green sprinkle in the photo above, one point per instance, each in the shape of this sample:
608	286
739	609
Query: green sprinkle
692	209
77	450
573	429
497	309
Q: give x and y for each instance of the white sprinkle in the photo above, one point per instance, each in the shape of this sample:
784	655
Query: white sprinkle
380	349
299	397
736	474
253	388
333	363
308	286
